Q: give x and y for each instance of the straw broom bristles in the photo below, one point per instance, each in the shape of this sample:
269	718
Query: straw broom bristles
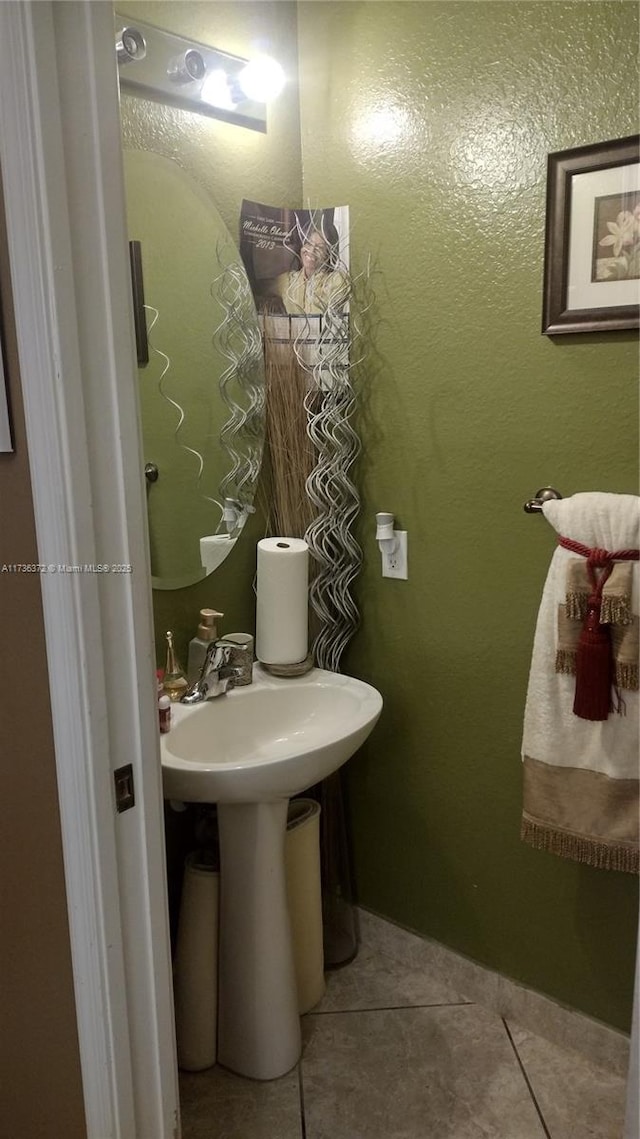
291	452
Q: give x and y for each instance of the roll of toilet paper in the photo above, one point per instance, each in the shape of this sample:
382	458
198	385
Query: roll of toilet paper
195	971
214	549
302	863
282	602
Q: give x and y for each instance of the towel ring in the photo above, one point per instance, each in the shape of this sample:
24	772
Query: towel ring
545	494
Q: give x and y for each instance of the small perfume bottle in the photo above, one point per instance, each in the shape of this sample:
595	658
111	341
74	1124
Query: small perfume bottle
175	681
164	713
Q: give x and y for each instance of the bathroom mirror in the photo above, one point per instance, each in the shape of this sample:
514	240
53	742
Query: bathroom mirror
202	391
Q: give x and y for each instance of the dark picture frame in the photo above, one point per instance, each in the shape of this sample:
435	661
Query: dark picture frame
585	287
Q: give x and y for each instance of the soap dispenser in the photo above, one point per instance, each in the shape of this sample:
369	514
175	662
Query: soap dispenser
207	632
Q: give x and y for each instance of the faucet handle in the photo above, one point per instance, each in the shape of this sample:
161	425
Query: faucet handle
226	663
228	642
216	655
210	681
240	646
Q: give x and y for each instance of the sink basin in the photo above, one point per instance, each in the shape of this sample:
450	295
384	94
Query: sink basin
249	751
268	740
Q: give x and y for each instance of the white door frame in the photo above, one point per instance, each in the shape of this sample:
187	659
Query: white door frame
60	153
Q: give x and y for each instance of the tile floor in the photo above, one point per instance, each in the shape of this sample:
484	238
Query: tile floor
393	1052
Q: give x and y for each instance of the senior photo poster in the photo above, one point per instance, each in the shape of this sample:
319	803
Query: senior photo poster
297	260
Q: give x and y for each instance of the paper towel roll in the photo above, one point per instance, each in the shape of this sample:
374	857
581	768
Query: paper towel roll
282	603
214	549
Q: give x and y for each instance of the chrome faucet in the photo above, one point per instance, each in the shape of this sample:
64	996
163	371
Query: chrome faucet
217	674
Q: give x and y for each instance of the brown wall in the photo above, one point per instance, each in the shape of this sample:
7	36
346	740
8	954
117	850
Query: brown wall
40	1086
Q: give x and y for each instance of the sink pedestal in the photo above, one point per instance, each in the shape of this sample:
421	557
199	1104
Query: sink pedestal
249	752
258	1021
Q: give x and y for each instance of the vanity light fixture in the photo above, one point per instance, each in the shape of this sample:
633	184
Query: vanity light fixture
159	65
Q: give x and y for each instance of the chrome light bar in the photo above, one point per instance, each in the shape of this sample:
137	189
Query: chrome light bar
171	69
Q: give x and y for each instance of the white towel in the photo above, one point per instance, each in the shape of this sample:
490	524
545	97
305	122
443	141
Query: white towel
580	777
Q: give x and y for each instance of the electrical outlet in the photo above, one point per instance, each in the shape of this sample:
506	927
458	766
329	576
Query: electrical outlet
396	564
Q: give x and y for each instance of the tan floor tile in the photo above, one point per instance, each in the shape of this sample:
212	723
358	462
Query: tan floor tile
412	967
216	1104
420	1073
393	969
578	1099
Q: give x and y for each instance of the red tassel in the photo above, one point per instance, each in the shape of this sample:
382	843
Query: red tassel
594	669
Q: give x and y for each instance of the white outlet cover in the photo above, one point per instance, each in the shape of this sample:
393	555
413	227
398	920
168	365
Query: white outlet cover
396	564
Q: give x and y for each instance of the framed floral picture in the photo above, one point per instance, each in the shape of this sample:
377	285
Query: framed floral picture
592	244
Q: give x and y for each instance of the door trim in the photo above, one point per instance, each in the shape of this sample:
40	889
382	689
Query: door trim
60	153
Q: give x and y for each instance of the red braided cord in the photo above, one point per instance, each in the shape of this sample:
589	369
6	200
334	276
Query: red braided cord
593	658
598	556
598	559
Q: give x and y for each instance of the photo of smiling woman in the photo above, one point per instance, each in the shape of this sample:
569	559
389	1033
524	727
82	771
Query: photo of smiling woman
297	261
319	283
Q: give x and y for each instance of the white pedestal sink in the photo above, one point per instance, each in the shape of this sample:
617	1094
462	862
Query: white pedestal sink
249	751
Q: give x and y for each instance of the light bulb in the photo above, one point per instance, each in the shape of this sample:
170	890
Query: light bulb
262	79
216	91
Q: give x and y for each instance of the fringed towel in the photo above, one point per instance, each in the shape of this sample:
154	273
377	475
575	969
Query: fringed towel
580	789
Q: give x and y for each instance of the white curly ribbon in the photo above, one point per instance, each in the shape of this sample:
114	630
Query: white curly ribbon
242	386
325	347
161	388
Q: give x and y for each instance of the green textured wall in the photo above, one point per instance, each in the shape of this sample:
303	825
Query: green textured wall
230	163
433	121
